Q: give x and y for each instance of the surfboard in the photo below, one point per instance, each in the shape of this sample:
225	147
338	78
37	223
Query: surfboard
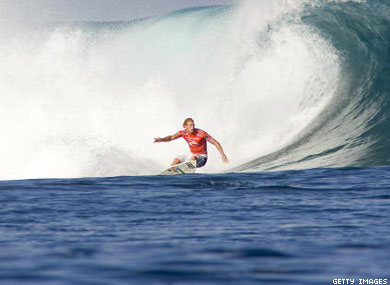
181	168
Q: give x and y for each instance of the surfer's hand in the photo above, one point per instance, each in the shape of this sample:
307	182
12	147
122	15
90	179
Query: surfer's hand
157	140
224	158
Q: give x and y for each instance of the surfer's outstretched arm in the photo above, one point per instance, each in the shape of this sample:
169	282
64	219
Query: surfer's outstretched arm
167	138
220	149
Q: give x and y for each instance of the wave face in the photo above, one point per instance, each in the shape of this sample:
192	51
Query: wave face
353	130
282	85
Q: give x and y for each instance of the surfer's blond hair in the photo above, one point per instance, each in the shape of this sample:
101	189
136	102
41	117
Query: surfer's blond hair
188	120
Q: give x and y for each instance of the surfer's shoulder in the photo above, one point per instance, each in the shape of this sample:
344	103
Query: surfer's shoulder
200	132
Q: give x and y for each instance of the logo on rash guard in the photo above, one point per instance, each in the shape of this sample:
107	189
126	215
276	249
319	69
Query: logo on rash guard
192	142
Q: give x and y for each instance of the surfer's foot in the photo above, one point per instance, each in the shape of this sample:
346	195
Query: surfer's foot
175	161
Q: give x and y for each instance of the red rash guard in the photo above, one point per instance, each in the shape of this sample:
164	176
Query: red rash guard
196	140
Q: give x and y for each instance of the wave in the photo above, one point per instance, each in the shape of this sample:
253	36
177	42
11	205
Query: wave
282	85
353	130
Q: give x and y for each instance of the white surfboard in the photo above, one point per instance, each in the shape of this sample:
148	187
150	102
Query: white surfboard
181	168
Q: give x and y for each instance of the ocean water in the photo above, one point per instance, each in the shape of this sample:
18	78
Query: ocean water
298	94
289	227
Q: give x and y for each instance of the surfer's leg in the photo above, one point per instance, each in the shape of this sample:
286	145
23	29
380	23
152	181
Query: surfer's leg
200	160
179	159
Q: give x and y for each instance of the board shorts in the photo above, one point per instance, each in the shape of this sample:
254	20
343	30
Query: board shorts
201	159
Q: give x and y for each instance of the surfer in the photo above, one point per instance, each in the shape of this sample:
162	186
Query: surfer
197	140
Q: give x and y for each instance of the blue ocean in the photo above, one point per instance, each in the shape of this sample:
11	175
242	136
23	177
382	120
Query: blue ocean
298	94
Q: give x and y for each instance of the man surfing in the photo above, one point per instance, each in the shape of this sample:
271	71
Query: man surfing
197	141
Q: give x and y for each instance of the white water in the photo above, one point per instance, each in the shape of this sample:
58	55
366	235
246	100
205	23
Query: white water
76	102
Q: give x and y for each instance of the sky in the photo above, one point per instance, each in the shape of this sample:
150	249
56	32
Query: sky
94	10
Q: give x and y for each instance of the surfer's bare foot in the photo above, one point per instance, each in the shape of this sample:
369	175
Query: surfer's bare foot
175	161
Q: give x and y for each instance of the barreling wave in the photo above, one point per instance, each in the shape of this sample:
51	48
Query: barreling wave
282	84
354	129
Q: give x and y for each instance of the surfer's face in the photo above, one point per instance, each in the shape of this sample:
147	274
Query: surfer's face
190	127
